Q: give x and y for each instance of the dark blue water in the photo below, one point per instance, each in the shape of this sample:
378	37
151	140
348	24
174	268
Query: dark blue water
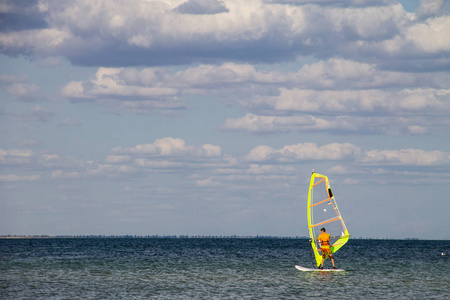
219	269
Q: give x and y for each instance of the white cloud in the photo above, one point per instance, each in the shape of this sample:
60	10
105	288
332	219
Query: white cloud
161	164
332	74
19	88
339	169
339	96
406	157
182	32
209	182
114	159
60	174
18	178
341	74
419	47
157	88
16	156
228	73
50	161
112	82
430	8
166	154
172	147
351	181
410	111
417	129
253	123
39	42
334	2
24	91
12	79
362	101
305	123
131	89
36	114
431	36
305	151
91	170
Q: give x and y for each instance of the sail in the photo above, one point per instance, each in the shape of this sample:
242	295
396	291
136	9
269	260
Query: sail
323	212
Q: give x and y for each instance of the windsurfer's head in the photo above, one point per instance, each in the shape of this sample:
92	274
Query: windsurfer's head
323	229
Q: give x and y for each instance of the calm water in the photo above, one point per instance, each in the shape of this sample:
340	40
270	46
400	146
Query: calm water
219	269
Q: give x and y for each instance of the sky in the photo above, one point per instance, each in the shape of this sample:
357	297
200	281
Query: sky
207	117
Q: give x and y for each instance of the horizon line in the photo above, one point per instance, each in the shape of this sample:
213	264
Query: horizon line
156	236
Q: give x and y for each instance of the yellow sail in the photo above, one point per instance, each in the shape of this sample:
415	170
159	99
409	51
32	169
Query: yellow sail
323	212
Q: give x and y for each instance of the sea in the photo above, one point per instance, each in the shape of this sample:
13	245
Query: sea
219	268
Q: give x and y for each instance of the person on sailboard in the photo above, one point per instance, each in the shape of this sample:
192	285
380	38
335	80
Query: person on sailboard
324	239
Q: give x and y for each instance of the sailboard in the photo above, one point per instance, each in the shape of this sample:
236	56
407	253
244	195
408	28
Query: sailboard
323	212
304	269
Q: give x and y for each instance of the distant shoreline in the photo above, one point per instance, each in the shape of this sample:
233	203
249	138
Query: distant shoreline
144	237
18	237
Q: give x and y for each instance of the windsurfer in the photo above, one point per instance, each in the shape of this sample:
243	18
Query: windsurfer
324	239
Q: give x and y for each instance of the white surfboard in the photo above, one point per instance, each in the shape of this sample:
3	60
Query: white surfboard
304	269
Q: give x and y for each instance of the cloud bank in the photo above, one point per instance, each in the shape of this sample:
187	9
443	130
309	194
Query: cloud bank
152	33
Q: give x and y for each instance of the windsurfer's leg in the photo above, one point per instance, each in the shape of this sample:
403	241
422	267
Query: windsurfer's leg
332	261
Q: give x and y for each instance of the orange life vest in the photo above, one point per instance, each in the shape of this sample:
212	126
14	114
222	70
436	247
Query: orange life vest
324	239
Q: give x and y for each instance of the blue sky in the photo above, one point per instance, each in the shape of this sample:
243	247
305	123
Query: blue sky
207	117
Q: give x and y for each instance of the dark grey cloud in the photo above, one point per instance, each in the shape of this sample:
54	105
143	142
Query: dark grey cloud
202	51
17	15
199	7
